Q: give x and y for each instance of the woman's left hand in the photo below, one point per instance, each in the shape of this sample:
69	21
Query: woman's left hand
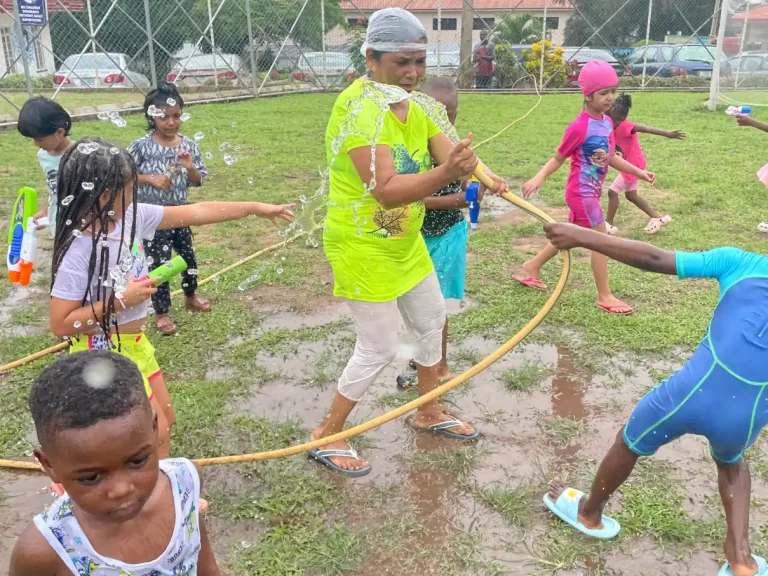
185	159
274	212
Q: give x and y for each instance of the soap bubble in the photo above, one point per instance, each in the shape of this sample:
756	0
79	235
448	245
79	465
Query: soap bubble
119	122
250	180
68	222
111	213
236	148
209	156
199	136
171	102
215	131
229	160
186	116
165	247
279	270
114	150
246	544
88	186
155	112
99	373
87	147
192	272
234	124
77	233
78	324
112	114
216	278
150	260
223	146
68	200
90	322
103	115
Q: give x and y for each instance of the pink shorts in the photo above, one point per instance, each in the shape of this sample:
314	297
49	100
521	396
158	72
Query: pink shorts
585	211
621	185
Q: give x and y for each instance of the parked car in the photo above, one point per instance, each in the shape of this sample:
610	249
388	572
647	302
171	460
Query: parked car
100	70
449	59
667	60
577	58
749	64
337	66
202	69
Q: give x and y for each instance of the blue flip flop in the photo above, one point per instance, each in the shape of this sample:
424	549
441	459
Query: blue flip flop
324	457
441	429
762	567
567	509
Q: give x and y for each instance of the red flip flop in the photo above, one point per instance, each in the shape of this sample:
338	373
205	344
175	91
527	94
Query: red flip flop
531	282
614	309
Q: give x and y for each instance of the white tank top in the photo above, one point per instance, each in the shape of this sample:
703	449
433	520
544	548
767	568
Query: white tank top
62	531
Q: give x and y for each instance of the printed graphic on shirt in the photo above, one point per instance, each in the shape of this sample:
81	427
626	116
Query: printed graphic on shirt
596	150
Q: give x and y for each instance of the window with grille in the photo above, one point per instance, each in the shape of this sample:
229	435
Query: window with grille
482	23
6	40
445	24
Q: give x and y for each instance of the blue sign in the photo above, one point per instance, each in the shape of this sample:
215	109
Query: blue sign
33	12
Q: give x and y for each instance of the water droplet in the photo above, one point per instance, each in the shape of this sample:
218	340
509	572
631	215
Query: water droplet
279	270
90	322
155	112
192	271
250	180
77	233
199	136
88	186
77	324
234	124
99	373
208	156
171	102
186	116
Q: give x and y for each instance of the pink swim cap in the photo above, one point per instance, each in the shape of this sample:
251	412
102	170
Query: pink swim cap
597	75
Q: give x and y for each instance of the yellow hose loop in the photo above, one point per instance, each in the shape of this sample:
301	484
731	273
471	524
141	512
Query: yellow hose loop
65	345
421	400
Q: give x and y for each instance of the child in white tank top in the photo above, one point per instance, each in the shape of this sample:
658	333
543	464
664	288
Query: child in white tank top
124	512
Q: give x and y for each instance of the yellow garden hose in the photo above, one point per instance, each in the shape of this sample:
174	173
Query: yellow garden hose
384	418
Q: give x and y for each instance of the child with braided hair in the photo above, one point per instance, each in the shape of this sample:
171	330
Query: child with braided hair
99	289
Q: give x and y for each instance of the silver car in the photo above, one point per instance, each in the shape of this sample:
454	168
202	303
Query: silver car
210	69
100	70
338	65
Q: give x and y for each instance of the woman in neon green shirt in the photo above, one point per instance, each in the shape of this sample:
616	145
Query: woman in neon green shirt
372	232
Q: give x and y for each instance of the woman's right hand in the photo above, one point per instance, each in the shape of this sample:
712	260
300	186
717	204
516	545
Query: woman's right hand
462	160
39	216
160	181
745	120
137	292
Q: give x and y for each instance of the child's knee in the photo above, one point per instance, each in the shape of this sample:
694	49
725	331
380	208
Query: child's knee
613	195
631	196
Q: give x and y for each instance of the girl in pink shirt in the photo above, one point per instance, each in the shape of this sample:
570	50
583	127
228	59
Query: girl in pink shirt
589	143
628	142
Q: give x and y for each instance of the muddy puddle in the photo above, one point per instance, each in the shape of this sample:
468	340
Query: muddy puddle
542	411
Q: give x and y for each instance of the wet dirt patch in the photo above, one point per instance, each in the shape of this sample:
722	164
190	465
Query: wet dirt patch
22	496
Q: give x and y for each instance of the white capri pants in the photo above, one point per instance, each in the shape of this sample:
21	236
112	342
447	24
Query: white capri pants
376	326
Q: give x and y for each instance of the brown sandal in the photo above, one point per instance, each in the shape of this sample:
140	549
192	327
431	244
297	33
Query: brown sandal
198	304
165	325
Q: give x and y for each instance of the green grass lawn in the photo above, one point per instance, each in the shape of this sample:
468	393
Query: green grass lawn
70	100
227	368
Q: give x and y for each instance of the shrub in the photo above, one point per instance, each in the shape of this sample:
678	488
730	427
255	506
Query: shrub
510	69
554	69
17	82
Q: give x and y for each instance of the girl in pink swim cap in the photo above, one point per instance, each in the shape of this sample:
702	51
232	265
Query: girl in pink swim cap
589	143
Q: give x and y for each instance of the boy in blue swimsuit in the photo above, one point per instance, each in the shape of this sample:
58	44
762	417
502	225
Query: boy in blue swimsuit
720	393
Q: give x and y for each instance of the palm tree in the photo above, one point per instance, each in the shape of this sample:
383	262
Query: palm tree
521	29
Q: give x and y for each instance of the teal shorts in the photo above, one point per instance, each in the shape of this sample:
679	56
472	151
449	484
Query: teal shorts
449	256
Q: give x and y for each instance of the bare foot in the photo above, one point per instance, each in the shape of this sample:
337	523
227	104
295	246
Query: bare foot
344	462
434	415
556	488
739	558
615	305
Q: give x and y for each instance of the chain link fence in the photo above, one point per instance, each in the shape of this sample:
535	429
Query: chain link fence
95	55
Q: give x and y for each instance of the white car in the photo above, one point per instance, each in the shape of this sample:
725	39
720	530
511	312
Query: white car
210	69
337	66
100	70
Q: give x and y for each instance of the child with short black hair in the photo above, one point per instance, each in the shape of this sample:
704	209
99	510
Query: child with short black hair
124	511
627	140
48	124
169	163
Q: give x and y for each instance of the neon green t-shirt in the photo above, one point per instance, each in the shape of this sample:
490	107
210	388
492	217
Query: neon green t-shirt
376	254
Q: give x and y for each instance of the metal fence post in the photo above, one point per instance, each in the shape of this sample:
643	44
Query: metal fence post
93	46
543	44
23	47
714	86
439	35
322	37
647	40
252	48
213	47
151	45
741	47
